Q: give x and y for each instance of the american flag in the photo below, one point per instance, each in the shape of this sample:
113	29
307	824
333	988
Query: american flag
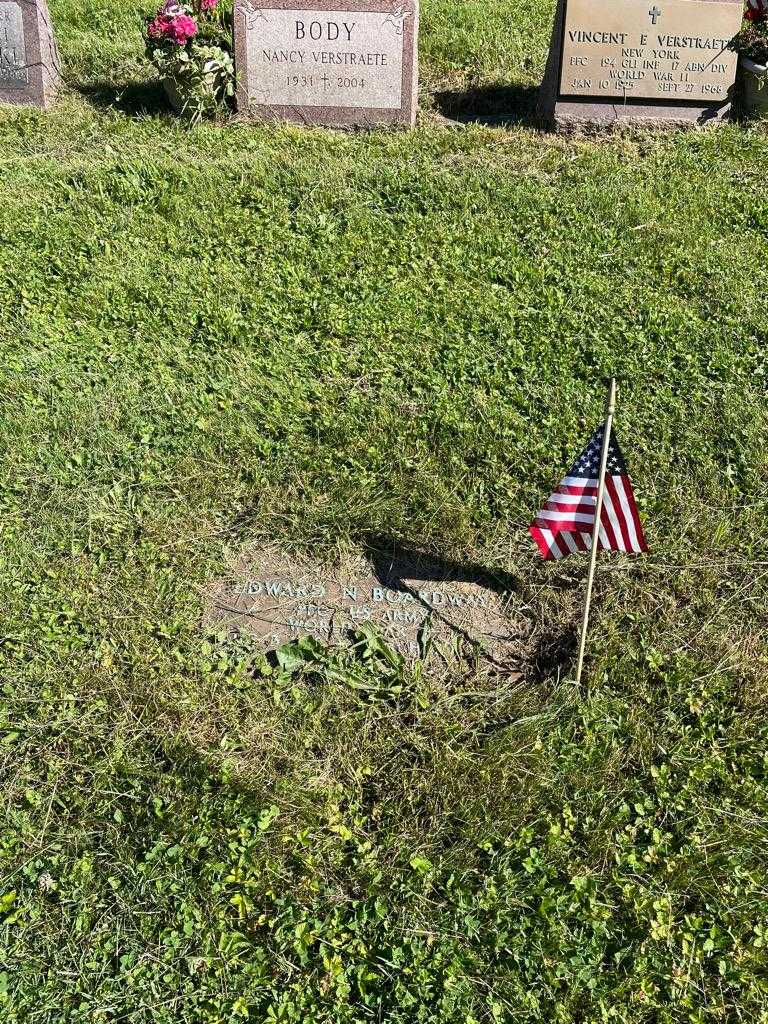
565	526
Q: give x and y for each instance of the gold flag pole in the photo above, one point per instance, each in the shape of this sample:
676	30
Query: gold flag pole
610	410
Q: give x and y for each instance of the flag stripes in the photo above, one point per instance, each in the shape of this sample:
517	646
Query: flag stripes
565	525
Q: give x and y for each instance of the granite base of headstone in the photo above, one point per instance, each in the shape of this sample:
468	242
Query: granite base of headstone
30	68
664	63
334	63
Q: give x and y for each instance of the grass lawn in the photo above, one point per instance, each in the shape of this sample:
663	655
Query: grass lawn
215	337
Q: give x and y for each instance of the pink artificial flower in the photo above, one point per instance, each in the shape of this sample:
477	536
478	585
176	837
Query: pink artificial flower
208	5
184	29
177	28
158	27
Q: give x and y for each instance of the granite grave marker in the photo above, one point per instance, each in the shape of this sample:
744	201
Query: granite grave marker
338	63
666	62
277	598
30	70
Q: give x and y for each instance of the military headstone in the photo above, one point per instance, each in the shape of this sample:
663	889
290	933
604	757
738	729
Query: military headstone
328	62
412	602
663	62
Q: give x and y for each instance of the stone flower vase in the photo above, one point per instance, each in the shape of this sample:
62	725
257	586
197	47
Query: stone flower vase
174	95
199	88
755	78
189	108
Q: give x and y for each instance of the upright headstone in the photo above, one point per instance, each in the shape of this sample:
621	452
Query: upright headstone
30	70
663	62
338	63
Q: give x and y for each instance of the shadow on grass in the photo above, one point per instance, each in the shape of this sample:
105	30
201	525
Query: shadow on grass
495	105
555	654
394	562
132	98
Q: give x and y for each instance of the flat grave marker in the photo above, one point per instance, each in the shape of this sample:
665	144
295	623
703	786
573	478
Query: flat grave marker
342	63
277	599
650	61
30	69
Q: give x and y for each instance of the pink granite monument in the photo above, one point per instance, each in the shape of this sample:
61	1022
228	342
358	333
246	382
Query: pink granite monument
339	63
30	69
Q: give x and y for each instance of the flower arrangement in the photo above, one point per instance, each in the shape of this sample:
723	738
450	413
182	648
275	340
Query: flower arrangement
752	41
190	45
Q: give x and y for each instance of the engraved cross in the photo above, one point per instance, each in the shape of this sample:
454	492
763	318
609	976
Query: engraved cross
655	13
